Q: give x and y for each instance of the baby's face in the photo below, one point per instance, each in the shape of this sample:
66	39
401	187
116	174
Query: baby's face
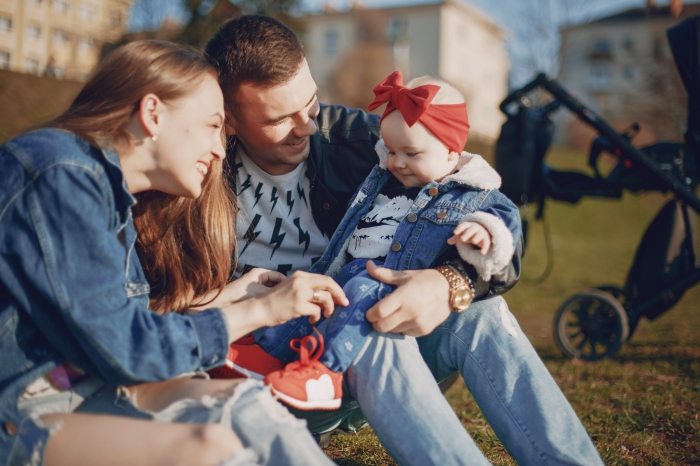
416	157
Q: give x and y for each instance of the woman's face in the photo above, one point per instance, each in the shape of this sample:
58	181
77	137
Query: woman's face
189	139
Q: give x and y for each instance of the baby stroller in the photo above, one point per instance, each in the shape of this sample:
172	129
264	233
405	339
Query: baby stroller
594	324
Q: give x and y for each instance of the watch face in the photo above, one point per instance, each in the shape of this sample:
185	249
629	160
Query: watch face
461	298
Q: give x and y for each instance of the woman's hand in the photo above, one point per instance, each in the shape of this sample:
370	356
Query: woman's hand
252	284
302	294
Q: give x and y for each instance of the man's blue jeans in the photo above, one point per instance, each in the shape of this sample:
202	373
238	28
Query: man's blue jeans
403	404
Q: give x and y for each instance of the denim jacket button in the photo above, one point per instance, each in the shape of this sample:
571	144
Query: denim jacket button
326	206
10	427
396	247
442	214
412	217
433	191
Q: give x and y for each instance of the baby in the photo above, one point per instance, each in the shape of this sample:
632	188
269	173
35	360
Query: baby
424	196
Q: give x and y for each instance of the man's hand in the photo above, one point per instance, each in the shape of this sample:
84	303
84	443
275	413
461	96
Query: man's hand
418	305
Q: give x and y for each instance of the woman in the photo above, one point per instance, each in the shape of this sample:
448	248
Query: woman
74	299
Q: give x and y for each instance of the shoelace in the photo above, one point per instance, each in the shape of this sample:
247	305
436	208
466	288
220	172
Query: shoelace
307	356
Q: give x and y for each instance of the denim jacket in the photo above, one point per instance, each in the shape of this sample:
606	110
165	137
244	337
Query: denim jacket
71	285
470	194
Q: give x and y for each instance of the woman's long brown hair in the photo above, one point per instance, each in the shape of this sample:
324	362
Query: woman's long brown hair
186	246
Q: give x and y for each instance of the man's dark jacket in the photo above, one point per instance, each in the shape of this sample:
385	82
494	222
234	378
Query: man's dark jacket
342	155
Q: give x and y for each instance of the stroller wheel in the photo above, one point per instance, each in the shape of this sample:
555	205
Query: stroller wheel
617	292
591	326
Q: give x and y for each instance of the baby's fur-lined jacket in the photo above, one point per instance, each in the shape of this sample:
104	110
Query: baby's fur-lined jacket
470	194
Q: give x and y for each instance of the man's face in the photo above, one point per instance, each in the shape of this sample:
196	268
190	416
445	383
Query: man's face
275	123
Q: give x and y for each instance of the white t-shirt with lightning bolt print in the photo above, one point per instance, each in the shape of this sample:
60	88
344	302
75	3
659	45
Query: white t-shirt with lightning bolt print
275	227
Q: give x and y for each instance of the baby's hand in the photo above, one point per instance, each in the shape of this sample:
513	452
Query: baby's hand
472	233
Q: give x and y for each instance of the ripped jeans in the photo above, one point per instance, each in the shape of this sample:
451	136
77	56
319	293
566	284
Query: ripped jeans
270	435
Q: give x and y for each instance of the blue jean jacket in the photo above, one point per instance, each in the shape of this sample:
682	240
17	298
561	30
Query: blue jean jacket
470	194
71	285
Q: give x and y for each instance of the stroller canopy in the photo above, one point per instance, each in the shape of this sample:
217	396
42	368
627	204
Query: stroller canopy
684	40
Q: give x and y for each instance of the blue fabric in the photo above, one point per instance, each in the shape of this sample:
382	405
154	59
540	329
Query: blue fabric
267	430
71	285
422	243
509	382
348	328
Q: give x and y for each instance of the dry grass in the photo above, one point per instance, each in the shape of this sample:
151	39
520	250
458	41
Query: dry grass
28	100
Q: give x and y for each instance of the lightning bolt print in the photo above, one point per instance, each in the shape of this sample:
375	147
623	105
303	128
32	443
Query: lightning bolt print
273	198
303	236
236	168
258	194
302	195
235	175
251	234
290	202
245	185
277	239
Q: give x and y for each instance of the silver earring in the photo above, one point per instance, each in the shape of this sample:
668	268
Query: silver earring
154	137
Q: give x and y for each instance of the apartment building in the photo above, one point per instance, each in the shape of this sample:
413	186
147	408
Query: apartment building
350	52
58	38
621	66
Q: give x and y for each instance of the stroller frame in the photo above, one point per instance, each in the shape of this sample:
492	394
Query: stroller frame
607	316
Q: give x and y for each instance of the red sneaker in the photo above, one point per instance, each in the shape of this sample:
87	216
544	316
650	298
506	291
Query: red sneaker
246	359
307	384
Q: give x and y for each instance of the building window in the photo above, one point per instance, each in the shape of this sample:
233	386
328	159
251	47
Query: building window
88	12
34	31
628	72
60	6
31	65
115	19
396	29
628	44
60	37
4	60
601	49
5	23
330	43
600	74
86	43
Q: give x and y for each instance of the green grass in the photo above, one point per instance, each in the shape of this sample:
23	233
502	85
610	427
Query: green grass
640	407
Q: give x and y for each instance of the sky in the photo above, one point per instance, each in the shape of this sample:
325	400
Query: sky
515	16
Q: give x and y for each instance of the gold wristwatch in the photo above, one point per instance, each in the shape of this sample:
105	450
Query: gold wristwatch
461	288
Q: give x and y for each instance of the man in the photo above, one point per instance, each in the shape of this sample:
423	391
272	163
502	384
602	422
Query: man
295	164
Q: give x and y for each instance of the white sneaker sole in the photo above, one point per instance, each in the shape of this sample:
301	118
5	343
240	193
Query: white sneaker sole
327	405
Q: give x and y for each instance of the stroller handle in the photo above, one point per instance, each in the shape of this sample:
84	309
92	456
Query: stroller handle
681	190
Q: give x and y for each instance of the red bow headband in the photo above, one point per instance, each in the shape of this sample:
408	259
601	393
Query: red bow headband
449	123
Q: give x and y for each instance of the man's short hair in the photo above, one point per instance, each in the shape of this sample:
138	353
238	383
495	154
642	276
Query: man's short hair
254	49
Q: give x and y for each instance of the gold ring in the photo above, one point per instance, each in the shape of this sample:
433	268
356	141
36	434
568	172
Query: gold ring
317	295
